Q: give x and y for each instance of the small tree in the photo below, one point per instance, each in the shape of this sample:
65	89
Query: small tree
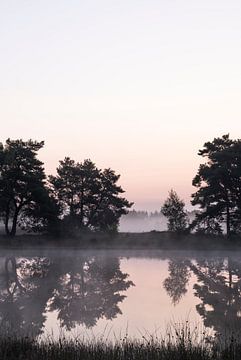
173	209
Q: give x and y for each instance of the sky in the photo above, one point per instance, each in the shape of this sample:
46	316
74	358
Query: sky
138	86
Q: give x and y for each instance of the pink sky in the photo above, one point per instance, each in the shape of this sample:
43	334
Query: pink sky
137	86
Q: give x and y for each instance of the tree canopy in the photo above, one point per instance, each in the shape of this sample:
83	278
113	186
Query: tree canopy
23	189
81	196
89	197
218	181
173	209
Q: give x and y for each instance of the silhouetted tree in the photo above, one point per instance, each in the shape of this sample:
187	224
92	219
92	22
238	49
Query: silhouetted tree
43	216
219	184
207	226
173	209
22	182
89	197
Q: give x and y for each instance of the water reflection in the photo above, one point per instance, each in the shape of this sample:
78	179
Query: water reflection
89	290
177	281
218	286
82	290
219	289
23	295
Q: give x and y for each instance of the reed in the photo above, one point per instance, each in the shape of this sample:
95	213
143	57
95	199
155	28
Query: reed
181	344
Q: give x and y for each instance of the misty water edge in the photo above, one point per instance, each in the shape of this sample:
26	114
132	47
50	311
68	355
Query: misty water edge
111	294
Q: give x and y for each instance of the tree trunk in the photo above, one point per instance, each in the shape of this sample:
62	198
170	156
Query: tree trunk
82	281
82	206
6	222
228	221
7	231
14	223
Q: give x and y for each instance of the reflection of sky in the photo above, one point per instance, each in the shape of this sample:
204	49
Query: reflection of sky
147	307
135	85
204	286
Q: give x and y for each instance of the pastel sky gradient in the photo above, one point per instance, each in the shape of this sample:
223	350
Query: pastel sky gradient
136	85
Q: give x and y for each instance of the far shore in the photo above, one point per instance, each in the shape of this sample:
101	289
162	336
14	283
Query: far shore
162	240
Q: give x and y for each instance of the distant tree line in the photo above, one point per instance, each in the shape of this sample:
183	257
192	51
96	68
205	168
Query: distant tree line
79	197
82	197
142	215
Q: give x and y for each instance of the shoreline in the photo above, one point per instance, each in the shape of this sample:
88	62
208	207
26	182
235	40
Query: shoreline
124	241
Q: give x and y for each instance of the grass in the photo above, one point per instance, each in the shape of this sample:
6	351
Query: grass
183	346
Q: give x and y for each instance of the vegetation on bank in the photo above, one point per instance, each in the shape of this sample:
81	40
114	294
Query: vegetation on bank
218	195
139	241
218	183
173	209
182	346
79	197
83	197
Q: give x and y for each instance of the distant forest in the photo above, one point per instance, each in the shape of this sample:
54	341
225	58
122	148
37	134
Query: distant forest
144	221
83	198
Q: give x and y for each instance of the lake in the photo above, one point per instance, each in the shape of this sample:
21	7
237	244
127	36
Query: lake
111	294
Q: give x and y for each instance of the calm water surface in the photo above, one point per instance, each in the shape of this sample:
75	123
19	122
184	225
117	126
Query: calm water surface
109	294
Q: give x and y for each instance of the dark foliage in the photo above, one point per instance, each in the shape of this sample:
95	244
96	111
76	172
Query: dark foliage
24	197
89	197
173	209
219	186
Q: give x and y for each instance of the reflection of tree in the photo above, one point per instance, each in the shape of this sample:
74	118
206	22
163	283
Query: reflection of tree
23	296
175	285
89	290
219	288
81	289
